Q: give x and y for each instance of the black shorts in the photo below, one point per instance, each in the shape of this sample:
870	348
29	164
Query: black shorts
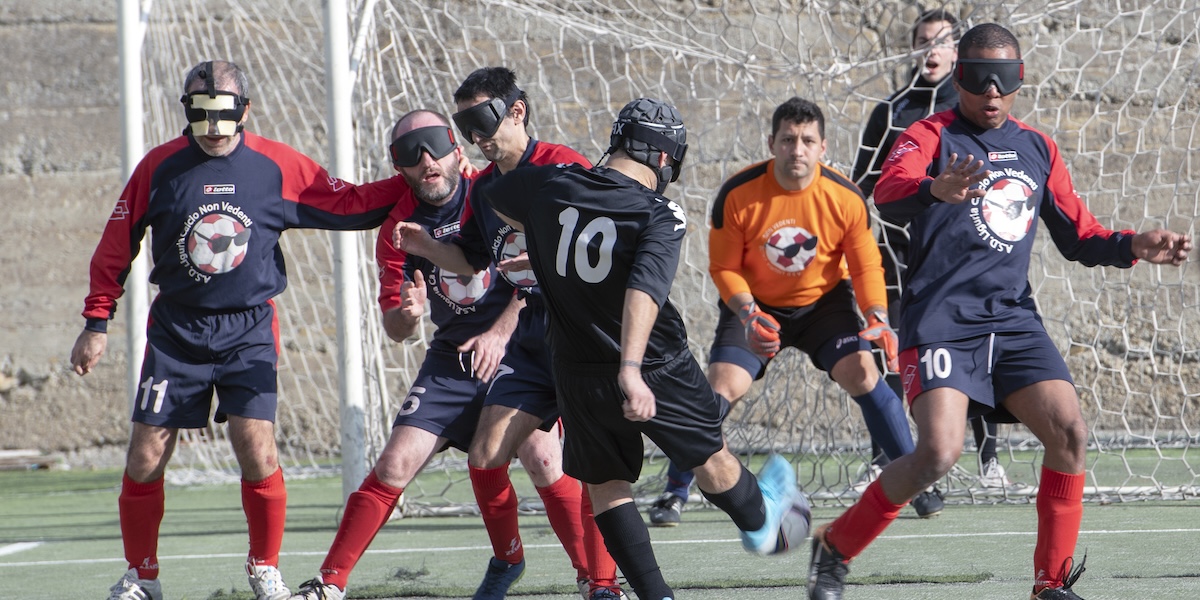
602	445
825	330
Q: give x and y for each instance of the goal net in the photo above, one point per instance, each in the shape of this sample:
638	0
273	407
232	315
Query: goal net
1112	81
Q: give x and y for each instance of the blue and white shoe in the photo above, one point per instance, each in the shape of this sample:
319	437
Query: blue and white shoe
777	481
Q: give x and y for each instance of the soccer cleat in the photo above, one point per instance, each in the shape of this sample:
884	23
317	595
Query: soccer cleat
777	481
604	594
666	511
827	570
499	577
315	589
929	503
868	474
266	582
585	590
991	475
132	588
1065	592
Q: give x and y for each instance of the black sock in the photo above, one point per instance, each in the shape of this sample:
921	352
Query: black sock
628	542
743	502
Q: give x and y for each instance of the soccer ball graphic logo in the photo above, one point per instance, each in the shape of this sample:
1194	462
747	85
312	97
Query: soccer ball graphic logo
1008	209
217	243
514	245
464	290
791	249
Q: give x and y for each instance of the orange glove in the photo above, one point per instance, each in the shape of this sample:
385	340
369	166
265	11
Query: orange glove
762	330
879	331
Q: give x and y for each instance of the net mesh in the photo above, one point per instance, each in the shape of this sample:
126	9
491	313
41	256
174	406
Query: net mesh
1111	81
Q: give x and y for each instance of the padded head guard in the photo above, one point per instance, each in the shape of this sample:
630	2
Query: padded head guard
646	127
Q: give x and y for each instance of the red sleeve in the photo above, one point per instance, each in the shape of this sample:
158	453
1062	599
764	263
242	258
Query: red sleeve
389	259
122	238
902	191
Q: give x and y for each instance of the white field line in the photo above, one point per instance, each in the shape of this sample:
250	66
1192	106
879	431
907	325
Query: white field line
18	547
83	561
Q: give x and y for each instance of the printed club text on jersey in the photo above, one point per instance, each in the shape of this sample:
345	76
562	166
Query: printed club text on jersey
181	244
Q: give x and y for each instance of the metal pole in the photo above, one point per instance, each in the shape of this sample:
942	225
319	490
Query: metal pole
130	32
338	86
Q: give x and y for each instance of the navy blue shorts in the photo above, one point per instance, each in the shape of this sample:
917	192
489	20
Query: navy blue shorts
987	369
192	353
826	330
444	400
601	445
525	380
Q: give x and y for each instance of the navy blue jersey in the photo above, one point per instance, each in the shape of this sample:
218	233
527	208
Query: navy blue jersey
217	221
968	264
461	306
592	234
485	238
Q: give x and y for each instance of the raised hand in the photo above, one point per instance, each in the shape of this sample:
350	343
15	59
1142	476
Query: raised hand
412	238
953	185
412	296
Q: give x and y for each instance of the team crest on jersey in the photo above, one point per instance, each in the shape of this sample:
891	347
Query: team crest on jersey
215	243
791	249
462	291
1006	212
513	245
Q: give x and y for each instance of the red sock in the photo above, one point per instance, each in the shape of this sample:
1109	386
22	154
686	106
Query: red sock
602	569
1060	511
366	512
141	512
265	505
563	509
852	532
497	502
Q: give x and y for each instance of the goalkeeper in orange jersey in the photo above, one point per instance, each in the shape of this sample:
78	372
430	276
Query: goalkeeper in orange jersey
789	238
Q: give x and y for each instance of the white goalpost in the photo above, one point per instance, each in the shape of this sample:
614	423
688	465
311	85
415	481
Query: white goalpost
1112	82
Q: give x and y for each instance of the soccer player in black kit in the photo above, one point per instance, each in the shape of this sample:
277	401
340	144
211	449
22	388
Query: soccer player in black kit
604	244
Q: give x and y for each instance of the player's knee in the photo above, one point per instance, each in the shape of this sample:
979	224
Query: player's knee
934	460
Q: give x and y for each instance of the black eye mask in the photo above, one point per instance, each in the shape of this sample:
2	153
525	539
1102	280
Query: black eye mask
437	140
976	75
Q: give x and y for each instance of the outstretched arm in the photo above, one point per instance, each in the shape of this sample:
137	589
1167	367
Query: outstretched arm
1162	247
487	348
415	239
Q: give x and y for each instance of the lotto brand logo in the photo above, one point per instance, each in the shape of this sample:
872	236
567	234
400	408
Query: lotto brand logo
221	189
1002	156
445	230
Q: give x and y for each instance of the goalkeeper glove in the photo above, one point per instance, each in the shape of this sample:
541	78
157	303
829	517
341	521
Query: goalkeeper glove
762	330
879	331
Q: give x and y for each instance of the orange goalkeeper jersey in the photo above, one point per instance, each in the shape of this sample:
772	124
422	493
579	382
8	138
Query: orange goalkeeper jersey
787	247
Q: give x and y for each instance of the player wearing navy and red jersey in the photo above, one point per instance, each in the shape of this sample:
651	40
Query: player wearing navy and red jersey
217	199
971	184
520	412
474	313
604	245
